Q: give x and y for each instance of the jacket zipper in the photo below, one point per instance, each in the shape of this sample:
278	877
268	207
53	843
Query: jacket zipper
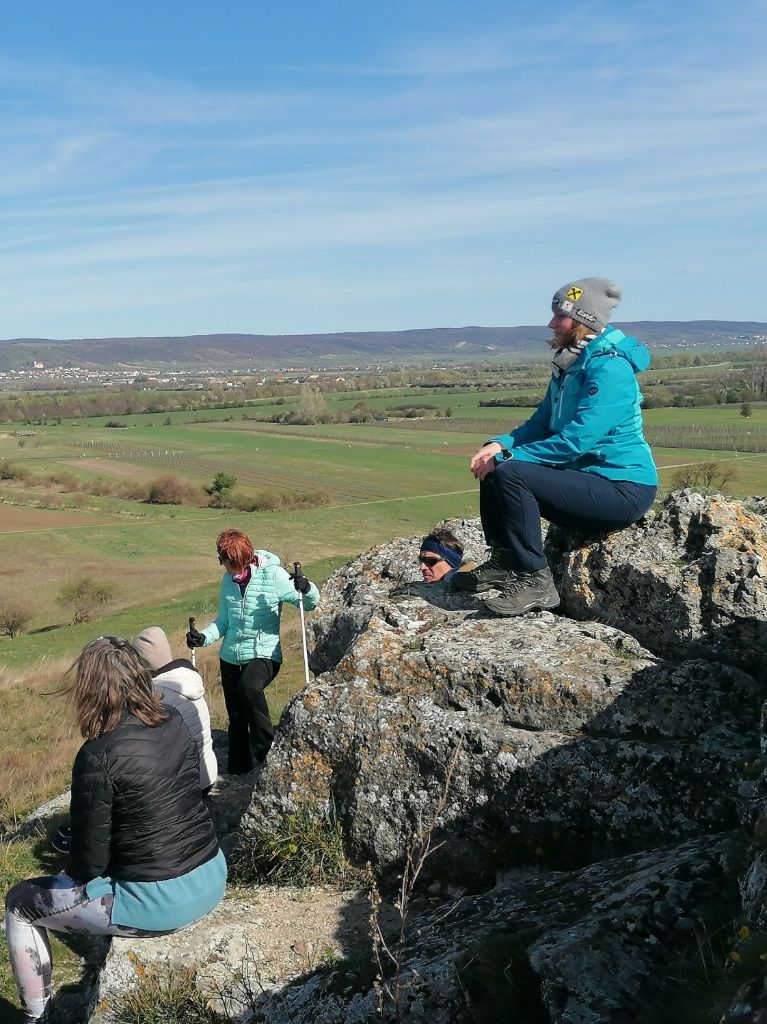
242	621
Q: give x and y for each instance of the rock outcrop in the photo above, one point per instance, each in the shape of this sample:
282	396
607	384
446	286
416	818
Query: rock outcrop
688	580
567	727
590	782
619	740
580	947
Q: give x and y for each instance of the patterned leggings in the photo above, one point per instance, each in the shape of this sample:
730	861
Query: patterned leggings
58	903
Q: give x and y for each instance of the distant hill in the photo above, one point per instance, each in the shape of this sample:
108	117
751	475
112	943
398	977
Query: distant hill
364	348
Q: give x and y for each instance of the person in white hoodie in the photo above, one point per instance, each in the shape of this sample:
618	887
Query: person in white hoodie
182	688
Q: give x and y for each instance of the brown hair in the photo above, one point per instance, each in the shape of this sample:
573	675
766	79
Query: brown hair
111	678
446	538
236	548
579	333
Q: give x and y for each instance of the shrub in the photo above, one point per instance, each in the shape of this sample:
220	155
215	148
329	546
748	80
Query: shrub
131	490
10	471
277	501
220	489
709	475
169	490
101	487
83	596
67	481
14	617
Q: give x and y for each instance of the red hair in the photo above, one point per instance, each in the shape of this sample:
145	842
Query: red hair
236	548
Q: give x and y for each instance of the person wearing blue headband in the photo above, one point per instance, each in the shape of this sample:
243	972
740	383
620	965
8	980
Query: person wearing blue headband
440	556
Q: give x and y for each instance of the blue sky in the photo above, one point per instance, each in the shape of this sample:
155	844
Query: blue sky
189	167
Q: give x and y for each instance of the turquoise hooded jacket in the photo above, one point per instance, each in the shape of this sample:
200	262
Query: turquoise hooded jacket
590	418
250	622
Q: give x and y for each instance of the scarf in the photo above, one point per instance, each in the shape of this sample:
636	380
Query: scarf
565	357
242	579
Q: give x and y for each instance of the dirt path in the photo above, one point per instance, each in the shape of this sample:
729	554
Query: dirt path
254	942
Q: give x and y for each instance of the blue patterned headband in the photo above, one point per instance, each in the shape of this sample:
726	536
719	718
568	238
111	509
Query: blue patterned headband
450	555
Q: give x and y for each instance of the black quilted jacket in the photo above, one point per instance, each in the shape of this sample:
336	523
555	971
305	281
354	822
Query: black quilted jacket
137	812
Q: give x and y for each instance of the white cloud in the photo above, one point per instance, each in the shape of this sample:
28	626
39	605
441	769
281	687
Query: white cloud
170	191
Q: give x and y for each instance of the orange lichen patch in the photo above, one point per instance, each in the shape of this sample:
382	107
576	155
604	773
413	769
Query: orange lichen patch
311	773
735	527
311	699
579	568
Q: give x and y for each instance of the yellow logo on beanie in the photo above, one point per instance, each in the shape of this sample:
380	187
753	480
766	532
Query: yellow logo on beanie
574	293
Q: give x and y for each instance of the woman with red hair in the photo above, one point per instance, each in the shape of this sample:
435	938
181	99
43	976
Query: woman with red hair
253	590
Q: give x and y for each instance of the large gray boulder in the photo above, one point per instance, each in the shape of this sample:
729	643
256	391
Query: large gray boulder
690	579
627	727
560	733
353	592
582	947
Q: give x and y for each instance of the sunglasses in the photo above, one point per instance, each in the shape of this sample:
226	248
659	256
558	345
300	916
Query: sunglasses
429	561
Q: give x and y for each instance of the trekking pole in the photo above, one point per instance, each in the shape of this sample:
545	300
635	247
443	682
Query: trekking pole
193	653
297	573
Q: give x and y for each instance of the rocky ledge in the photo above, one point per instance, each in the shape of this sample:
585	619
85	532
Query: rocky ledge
596	771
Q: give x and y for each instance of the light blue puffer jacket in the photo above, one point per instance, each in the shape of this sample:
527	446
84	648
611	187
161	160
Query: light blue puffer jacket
250	622
590	417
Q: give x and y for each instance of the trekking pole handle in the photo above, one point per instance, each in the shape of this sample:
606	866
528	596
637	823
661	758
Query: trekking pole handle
193	653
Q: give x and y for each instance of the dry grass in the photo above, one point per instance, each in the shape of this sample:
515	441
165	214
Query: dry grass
40	741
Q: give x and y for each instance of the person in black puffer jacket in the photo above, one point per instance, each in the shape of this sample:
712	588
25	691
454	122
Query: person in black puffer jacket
144	858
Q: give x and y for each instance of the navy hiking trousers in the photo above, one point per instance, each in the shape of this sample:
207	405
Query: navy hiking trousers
515	495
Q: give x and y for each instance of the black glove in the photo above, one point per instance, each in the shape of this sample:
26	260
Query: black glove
194	638
300	582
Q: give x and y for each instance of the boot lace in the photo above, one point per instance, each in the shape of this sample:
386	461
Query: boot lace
521	581
493	563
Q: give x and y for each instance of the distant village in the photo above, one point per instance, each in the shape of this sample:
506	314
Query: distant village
58	377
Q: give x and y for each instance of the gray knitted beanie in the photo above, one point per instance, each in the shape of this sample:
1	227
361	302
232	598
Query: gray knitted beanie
152	644
590	301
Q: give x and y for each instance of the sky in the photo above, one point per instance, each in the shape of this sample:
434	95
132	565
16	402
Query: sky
187	167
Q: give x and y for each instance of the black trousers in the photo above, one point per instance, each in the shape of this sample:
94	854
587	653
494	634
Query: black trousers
250	725
515	495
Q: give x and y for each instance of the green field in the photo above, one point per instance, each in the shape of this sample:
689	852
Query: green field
364	483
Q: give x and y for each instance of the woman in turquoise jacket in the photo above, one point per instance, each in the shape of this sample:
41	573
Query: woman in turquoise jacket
581	460
253	590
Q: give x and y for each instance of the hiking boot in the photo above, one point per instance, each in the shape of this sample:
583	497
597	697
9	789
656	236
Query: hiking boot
525	592
490	575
